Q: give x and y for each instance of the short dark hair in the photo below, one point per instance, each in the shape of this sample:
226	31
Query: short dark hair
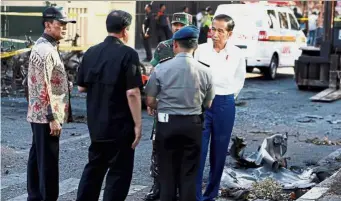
184	8
46	20
188	43
149	6
226	18
162	5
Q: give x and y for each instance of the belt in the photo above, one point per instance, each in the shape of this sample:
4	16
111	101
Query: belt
163	117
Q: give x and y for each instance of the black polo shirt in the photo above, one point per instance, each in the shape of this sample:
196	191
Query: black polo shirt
108	70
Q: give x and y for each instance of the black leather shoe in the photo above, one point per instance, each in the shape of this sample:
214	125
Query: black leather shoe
154	193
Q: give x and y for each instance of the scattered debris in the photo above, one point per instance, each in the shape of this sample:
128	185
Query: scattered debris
324	141
268	189
306	120
262	132
334	122
240	103
75	134
80	119
270	154
314	116
309	118
235	194
338	158
264	174
309	163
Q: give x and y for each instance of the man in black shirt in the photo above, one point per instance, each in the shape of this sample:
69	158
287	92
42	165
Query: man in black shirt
146	32
111	77
162	24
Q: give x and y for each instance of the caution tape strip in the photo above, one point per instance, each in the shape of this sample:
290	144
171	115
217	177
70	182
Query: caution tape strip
13	53
12	40
61	48
336	19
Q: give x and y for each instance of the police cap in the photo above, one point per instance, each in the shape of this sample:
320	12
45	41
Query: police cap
183	18
187	32
118	20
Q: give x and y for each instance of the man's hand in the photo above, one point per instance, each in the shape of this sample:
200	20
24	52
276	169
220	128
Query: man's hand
55	128
150	111
146	35
137	130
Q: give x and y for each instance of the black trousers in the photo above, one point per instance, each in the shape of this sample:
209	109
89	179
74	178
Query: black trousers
42	166
114	159
163	30
148	48
179	145
203	35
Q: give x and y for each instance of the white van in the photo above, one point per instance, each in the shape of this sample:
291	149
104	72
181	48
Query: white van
269	35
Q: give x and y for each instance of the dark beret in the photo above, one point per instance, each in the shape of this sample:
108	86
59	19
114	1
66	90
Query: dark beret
187	32
118	20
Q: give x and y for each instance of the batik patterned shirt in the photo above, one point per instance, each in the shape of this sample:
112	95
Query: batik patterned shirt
48	90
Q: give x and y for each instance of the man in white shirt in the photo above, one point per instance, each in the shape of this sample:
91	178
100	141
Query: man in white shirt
228	69
312	26
199	17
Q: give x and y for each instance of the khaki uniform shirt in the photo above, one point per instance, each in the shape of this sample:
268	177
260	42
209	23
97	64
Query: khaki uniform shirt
181	85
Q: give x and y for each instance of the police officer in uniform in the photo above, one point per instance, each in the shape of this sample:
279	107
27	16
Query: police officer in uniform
164	51
111	76
181	86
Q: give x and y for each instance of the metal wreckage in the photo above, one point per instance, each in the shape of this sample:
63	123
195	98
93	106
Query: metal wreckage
15	65
269	161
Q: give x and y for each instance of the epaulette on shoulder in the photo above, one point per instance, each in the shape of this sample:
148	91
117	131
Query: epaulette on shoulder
165	59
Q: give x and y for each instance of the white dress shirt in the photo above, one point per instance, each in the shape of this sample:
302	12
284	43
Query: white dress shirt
228	67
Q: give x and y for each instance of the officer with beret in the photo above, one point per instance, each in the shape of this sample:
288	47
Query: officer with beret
177	89
163	51
111	77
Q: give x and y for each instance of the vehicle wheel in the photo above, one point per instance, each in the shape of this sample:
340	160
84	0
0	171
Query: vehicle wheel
249	69
271	71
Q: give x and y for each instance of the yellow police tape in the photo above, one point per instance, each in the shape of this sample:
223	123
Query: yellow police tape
61	48
13	53
336	19
12	40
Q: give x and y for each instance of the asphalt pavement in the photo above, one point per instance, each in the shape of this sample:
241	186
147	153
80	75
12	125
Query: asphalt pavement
265	108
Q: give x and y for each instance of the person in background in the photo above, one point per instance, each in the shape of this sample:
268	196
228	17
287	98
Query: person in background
162	24
185	9
299	18
312	26
206	23
181	85
164	51
199	17
146	32
228	67
319	30
48	107
111	77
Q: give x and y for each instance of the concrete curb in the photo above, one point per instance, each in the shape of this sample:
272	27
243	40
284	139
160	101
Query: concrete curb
322	188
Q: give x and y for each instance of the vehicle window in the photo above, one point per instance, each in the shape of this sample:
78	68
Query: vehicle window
293	23
283	20
272	18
